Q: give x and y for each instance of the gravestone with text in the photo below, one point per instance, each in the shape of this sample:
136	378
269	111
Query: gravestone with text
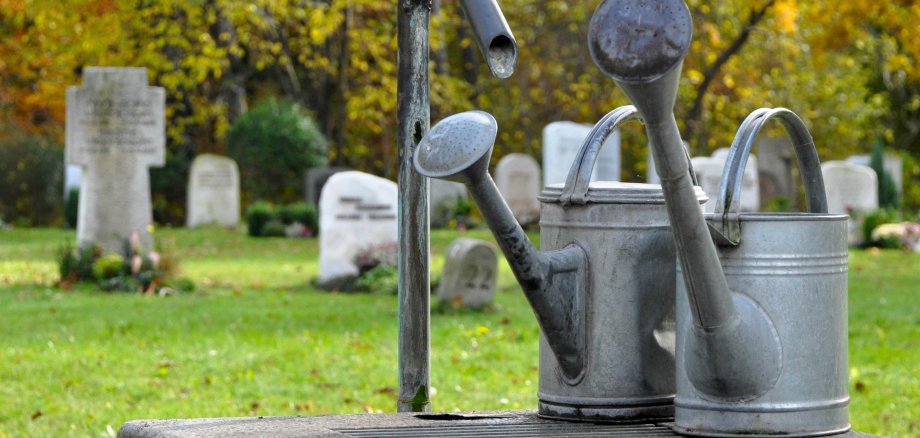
562	141
470	268
518	179
357	213
851	189
115	132
213	192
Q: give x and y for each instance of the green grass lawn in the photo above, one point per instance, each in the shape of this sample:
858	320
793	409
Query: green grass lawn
256	339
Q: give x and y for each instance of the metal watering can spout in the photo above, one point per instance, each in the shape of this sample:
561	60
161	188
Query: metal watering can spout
458	149
641	44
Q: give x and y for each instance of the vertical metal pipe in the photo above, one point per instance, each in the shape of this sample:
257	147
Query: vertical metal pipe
413	113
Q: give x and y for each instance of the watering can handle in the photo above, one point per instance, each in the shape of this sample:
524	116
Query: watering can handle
726	218
576	184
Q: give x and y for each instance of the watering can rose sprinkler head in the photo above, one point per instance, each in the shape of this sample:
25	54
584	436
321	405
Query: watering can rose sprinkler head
458	149
733	350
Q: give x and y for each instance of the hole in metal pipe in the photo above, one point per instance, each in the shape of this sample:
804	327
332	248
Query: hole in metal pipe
502	56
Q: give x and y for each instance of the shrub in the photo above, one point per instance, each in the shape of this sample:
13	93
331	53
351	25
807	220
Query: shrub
257	215
382	279
72	207
277	141
273	228
302	212
168	189
31	180
871	221
887	192
108	266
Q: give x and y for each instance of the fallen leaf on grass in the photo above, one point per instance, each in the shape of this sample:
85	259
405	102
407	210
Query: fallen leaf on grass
37	414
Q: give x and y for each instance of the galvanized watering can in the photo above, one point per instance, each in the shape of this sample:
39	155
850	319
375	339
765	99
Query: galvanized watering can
603	287
762	322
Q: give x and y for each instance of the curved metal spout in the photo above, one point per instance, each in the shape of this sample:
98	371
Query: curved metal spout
458	148
493	35
641	45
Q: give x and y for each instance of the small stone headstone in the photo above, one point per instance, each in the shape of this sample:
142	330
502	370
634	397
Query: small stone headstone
442	200
893	165
851	189
750	183
213	192
115	131
518	179
561	143
775	161
357	211
709	175
470	269
315	178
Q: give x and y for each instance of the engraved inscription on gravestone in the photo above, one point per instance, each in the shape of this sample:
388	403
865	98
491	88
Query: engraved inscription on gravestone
116	132
469	273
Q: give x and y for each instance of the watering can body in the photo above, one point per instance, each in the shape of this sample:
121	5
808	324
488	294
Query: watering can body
602	287
794	267
629	307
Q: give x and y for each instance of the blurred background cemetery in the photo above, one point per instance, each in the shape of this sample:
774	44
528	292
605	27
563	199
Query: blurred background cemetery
268	101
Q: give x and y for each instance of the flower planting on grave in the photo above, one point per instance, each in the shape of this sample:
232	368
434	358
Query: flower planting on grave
132	270
887	228
299	219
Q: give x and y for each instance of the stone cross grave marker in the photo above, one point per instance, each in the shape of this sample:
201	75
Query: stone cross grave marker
470	268
561	142
518	179
851	189
213	192
357	212
115	132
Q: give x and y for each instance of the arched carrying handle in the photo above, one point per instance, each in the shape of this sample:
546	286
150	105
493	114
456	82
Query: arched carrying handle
575	190
726	220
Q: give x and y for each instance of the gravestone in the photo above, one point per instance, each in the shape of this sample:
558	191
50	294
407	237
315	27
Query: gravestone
892	164
213	192
357	212
71	179
750	183
709	175
851	189
470	269
315	178
518	179
115	132
562	141
442	200
775	161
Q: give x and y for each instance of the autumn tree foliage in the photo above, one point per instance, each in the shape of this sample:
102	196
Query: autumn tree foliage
849	68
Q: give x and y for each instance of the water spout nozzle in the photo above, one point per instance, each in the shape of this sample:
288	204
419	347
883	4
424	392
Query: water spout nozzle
555	283
493	35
